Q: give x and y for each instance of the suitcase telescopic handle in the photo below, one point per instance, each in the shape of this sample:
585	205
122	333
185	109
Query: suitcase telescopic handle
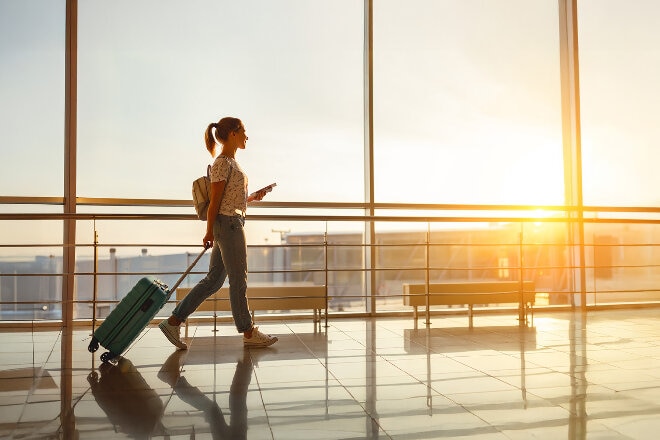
185	274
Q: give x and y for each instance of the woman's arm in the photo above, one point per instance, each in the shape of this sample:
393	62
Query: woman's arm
217	188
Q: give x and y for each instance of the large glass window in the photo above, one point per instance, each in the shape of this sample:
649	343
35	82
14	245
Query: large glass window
467	102
32	97
32	56
466	111
30	269
619	90
154	74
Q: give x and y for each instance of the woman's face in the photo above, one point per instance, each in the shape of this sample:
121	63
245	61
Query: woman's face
240	137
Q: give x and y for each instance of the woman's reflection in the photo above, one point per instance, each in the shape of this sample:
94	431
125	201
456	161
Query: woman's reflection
237	427
134	408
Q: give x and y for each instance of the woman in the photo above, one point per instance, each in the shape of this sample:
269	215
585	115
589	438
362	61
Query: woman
224	231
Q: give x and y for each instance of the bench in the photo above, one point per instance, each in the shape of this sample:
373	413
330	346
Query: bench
272	297
470	293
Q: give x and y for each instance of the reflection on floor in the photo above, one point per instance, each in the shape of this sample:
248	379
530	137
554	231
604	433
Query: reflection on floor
567	376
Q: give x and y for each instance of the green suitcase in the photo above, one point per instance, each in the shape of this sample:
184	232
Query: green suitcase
133	313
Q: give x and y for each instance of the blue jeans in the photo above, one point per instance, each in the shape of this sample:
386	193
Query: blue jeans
228	259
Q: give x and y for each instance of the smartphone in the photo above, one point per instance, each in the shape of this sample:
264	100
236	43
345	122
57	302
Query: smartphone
268	189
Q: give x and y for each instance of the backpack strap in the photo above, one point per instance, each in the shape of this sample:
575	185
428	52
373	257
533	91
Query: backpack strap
226	182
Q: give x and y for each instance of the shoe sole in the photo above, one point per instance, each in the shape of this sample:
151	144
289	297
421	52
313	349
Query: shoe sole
172	339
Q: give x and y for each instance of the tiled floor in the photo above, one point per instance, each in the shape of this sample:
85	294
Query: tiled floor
568	376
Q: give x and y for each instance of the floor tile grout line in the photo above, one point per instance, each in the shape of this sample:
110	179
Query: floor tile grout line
41	369
366	410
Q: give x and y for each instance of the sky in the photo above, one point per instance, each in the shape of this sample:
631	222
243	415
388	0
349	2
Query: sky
466	99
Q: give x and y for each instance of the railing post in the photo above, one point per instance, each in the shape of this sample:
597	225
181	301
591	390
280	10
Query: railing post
95	277
325	271
522	319
428	274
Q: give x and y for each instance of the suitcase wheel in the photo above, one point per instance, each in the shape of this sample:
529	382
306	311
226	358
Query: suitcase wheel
108	356
93	346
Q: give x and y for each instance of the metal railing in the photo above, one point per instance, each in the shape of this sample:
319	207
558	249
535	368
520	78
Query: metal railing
621	262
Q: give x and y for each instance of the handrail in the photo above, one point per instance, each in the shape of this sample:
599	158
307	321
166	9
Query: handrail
360	218
442	214
184	203
14	200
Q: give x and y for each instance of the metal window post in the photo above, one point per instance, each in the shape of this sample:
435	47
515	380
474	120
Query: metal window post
369	229
70	118
571	134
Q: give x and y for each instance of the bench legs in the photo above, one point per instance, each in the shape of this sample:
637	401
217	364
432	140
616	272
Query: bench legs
316	318
215	324
528	309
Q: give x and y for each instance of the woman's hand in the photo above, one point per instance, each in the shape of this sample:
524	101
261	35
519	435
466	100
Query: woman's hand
260	194
208	240
257	195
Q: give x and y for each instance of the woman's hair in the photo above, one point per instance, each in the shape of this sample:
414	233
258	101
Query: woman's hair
222	129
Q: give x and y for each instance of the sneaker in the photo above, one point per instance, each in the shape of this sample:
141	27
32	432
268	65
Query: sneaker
172	333
259	339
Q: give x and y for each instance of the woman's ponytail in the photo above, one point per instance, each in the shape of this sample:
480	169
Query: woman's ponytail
209	139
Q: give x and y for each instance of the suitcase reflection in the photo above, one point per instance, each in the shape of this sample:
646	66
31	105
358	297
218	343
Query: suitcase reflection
136	409
131	405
